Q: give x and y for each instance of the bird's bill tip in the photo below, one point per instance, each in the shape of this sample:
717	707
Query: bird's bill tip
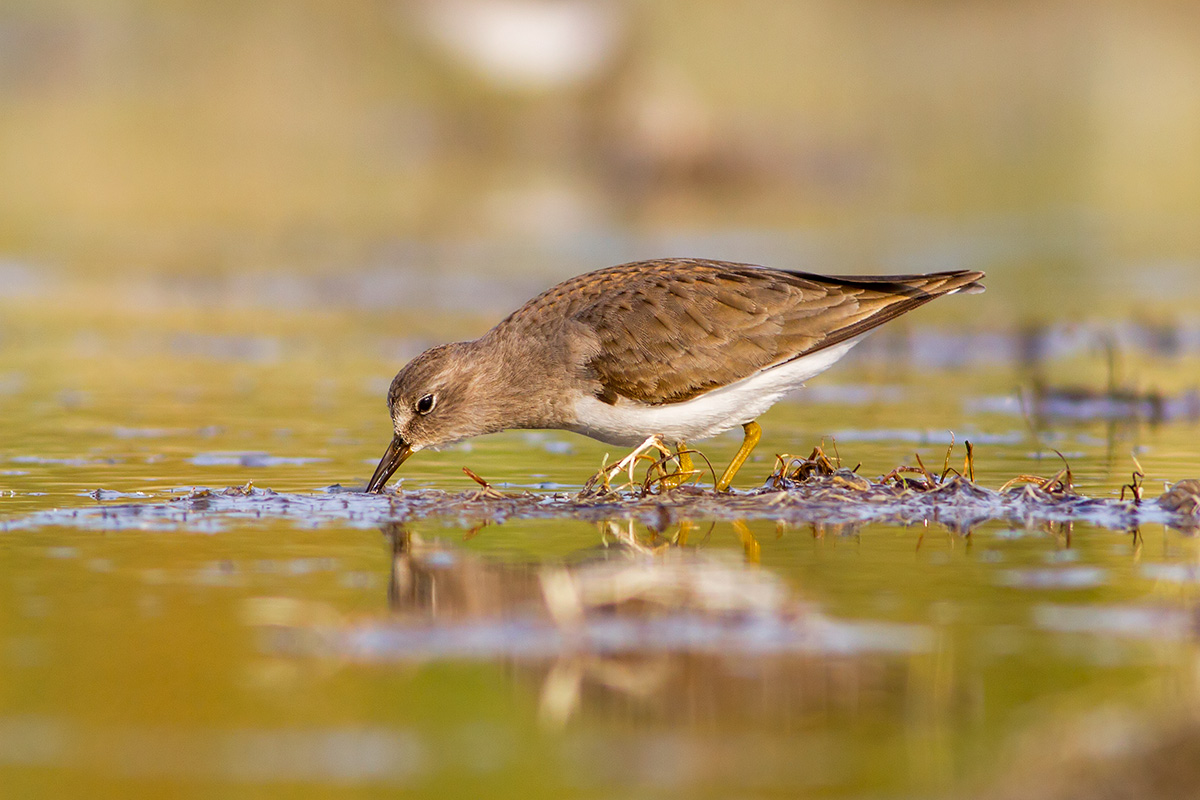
397	453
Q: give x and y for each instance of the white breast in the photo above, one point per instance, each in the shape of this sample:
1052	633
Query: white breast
629	423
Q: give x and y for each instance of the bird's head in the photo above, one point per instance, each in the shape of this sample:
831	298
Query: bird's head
442	396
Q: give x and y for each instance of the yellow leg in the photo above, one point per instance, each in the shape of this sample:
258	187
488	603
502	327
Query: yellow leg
685	469
685	458
753	434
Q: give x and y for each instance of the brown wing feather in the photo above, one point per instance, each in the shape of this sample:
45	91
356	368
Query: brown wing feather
670	330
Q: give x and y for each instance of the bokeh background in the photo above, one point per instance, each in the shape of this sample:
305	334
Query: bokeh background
225	225
201	137
290	199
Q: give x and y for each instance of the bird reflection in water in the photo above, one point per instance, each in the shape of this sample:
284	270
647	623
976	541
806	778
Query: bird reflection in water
630	629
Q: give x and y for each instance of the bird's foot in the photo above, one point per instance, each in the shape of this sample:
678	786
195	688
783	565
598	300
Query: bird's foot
602	482
686	471
629	463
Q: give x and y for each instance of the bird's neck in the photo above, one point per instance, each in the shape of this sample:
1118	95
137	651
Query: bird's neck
519	382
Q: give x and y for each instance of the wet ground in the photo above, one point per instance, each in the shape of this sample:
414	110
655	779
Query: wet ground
198	599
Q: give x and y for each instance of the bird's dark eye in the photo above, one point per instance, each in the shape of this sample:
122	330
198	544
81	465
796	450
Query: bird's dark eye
425	404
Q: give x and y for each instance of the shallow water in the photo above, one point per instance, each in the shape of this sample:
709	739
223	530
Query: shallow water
316	648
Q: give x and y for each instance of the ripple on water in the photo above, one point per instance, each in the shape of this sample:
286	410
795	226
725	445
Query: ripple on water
1172	573
250	459
1131	621
123	432
63	462
112	494
351	754
925	437
1053	578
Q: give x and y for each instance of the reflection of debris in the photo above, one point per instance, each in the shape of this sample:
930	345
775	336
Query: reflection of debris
619	578
1117	401
675	580
1118	404
681	631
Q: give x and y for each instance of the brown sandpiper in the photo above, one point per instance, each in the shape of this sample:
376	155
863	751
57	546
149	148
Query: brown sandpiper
673	350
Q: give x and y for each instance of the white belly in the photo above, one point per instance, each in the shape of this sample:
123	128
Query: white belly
629	423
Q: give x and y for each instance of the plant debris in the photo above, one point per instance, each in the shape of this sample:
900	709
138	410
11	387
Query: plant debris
813	490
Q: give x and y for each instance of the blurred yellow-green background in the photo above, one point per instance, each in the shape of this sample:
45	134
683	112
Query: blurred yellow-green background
173	134
225	225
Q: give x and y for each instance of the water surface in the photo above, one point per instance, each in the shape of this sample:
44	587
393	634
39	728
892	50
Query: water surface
325	655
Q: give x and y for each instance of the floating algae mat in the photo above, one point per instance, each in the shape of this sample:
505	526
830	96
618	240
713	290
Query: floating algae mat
812	490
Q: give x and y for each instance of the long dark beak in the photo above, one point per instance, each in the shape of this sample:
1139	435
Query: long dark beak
398	451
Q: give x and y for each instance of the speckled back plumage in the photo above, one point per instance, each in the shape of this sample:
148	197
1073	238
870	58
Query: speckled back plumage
667	331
